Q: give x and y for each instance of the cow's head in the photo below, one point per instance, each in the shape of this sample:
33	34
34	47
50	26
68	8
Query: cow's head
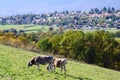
30	64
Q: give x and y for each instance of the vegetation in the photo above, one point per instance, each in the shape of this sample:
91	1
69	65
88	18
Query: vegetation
98	47
13	66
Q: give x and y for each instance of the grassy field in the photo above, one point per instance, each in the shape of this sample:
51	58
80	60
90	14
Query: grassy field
117	39
13	66
36	28
26	28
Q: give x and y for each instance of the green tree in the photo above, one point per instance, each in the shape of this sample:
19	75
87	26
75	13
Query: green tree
89	48
55	41
98	46
72	44
44	44
109	48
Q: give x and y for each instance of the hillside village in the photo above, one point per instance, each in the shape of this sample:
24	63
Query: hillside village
105	18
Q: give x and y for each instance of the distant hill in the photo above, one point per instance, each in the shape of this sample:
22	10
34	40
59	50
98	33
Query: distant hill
107	17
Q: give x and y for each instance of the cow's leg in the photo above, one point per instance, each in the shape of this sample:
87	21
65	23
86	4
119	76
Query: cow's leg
38	66
61	68
64	69
54	68
49	67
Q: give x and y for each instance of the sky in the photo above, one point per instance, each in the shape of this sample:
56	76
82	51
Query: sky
13	7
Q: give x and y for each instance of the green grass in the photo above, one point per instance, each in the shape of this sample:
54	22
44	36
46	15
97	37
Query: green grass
35	28
13	66
117	39
26	28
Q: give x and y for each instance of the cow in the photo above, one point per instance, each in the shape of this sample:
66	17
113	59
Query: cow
41	60
58	62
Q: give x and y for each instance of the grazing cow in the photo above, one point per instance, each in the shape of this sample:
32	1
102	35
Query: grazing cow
59	62
41	60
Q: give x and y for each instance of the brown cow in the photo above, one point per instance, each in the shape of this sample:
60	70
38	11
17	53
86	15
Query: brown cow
41	60
59	62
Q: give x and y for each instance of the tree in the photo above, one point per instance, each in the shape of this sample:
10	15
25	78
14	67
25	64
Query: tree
91	11
44	44
98	46
104	9
104	46
72	45
109	46
55	41
51	28
113	9
96	10
89	48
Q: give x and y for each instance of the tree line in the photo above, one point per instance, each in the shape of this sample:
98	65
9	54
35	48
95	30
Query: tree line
98	47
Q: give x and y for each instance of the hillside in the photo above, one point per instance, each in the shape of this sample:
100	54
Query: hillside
95	19
13	66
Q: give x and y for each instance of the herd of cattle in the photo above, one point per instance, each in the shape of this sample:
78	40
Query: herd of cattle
52	62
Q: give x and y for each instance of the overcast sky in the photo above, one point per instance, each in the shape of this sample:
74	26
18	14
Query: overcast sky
12	7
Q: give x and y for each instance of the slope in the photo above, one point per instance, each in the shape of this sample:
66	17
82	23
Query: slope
13	66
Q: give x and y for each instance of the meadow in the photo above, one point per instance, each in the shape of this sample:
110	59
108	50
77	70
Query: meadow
44	28
13	66
27	28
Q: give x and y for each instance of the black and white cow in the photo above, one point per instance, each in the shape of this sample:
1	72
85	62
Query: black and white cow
41	60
